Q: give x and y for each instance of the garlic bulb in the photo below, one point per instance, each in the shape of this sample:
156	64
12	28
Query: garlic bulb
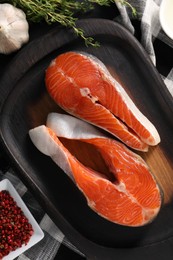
13	28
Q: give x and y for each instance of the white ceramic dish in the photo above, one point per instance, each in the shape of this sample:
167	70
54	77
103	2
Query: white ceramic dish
38	233
166	17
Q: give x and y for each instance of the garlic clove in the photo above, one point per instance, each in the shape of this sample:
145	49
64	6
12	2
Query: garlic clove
14	28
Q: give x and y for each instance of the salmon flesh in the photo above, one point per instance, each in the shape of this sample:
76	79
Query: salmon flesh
133	198
82	85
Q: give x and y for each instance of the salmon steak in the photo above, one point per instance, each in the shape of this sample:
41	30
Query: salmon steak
131	197
82	85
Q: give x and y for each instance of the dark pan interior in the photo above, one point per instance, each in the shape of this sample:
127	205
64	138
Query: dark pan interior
27	106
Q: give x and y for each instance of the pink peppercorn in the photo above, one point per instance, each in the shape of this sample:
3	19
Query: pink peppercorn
15	230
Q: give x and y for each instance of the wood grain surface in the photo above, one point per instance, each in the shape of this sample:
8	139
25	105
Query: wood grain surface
25	104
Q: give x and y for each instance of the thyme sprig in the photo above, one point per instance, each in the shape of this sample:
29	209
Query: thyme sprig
61	11
126	3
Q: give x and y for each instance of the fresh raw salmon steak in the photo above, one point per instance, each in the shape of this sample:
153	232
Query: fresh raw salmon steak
131	198
81	85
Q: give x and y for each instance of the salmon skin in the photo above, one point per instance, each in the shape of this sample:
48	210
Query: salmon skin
133	198
81	85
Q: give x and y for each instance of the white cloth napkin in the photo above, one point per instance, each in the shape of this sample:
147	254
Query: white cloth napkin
151	30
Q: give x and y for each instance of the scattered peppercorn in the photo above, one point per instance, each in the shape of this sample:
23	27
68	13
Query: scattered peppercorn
15	229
